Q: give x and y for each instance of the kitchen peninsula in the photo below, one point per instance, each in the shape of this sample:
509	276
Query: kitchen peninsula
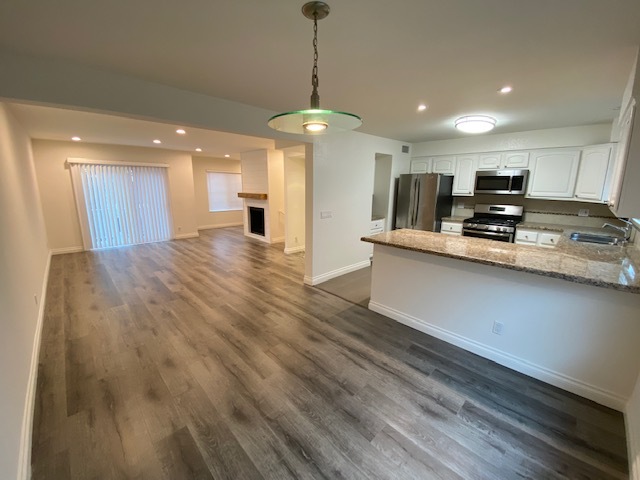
569	316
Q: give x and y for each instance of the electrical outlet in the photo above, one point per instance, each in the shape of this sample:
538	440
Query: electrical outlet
461	205
498	328
583	212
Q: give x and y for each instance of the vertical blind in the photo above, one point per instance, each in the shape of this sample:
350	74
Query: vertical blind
223	191
123	204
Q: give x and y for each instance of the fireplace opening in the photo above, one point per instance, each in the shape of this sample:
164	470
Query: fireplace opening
256	220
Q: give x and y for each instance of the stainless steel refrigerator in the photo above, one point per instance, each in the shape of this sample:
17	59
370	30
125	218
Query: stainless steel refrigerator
422	201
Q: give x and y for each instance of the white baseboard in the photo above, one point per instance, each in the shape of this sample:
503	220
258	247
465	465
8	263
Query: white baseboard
182	236
220	225
335	273
599	395
290	250
24	461
60	251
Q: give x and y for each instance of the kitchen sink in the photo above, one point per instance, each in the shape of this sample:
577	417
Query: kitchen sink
595	238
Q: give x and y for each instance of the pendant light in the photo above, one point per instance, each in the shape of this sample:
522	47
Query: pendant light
315	120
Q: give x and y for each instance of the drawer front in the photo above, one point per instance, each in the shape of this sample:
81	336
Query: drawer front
376	224
526	236
549	239
373	231
447	227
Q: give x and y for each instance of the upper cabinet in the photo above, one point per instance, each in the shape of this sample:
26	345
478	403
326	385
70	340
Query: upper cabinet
553	173
498	160
465	174
624	197
445	165
421	165
592	174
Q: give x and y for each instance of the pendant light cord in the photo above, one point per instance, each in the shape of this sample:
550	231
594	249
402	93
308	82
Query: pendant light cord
315	98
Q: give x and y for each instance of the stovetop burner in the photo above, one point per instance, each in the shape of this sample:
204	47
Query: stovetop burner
509	222
493	219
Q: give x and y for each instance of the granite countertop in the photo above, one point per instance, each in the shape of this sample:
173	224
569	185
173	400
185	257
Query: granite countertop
591	264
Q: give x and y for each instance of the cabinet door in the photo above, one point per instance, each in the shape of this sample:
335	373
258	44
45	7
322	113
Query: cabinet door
516	160
592	173
420	165
445	165
489	161
554	174
464	176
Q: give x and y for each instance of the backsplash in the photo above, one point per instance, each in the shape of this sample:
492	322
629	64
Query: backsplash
541	211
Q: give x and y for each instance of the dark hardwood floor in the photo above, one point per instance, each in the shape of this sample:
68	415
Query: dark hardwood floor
208	358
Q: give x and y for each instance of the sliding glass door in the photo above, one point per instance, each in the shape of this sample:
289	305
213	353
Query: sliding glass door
121	204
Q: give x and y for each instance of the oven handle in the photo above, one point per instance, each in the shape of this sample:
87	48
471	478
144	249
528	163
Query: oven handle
485	232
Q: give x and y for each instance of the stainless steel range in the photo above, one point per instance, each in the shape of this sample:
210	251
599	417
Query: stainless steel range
494	222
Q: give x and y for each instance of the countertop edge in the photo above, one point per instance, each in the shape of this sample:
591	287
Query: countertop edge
533	270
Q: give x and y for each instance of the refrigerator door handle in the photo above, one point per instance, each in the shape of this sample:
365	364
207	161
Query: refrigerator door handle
415	202
415	216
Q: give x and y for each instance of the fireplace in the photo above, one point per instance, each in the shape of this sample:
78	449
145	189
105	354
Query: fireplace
256	220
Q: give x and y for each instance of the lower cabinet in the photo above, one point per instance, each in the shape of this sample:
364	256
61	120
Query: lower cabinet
451	228
377	226
540	238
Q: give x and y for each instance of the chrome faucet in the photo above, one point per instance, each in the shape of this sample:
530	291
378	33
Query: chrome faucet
626	230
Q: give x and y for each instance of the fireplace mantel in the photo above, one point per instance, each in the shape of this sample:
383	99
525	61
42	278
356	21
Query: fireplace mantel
255	196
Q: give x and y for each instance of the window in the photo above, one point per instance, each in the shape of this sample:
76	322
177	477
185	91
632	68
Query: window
121	204
223	191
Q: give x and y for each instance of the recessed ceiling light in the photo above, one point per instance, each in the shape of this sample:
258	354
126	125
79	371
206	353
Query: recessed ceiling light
475	123
180	131
422	107
156	141
76	139
227	156
506	89
198	149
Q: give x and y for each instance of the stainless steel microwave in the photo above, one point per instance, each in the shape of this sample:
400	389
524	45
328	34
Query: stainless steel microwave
502	182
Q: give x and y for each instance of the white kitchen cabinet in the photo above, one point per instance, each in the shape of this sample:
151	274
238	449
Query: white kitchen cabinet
592	174
539	238
451	228
553	174
498	160
464	176
489	161
445	165
377	226
516	159
421	165
624	196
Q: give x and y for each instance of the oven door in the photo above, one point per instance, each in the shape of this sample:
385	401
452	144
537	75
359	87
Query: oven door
499	236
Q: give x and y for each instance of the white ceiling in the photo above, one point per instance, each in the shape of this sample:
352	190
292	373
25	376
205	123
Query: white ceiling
61	124
568	60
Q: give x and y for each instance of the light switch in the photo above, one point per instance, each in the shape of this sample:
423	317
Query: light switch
326	214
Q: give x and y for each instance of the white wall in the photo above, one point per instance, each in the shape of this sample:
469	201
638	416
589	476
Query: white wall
294	198
382	186
54	180
275	165
24	266
632	420
549	138
341	173
205	218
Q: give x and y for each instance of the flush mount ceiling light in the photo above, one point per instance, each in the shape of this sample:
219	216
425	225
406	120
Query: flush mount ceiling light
422	107
76	139
315	120
181	131
475	123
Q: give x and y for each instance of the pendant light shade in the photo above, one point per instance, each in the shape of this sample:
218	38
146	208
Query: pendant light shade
314	121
